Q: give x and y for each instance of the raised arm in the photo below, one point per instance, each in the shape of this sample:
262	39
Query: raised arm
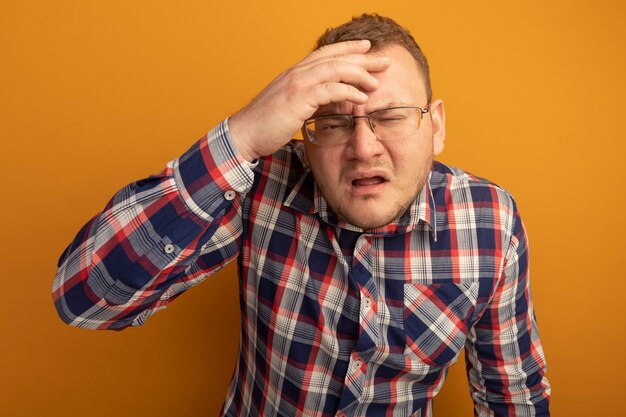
159	236
140	252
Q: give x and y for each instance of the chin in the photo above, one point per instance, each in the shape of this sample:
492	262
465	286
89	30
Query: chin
372	214
368	222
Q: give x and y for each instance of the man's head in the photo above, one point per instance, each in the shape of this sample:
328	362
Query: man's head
372	178
380	31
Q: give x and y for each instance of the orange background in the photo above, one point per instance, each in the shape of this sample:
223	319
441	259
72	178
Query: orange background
95	94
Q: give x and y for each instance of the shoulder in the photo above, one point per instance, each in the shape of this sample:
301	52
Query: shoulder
464	201
284	169
286	160
451	185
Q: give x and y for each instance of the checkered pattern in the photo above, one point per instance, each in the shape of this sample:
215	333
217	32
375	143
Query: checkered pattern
335	321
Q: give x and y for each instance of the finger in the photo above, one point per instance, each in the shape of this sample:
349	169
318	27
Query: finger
328	93
339	48
345	72
369	62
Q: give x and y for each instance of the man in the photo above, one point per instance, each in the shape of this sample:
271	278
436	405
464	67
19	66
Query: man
364	266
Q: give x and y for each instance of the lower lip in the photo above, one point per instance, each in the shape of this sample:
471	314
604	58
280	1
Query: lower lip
367	190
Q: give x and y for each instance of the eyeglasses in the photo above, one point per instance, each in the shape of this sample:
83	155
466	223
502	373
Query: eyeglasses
387	124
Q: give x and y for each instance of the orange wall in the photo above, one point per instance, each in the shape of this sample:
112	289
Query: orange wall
95	94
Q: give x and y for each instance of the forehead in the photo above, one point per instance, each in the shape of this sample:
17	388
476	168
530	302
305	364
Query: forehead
402	83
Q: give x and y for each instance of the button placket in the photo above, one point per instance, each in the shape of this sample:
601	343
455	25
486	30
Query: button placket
353	383
356	363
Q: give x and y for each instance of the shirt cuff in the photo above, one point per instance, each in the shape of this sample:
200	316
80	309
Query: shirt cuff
212	171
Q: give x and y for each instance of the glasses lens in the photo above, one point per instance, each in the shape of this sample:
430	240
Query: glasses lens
395	122
329	129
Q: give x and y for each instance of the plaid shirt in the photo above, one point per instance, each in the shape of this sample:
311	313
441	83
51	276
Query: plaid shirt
335	320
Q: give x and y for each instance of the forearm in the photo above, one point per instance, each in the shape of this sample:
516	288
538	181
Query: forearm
140	252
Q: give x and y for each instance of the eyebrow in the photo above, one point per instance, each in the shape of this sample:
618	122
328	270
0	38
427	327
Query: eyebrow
390	103
382	105
333	108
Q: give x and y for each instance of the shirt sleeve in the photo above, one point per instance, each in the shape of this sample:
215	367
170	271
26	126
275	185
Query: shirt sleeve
143	249
504	357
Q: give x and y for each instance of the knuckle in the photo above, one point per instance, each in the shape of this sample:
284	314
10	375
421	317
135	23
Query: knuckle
333	65
294	81
324	48
329	87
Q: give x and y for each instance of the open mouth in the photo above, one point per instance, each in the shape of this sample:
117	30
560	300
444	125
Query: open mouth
368	186
368	181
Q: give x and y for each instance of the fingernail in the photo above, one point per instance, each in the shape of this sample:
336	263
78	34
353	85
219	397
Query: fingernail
364	42
384	59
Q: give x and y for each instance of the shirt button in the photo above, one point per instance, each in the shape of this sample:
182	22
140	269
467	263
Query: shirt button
169	248
367	302
229	195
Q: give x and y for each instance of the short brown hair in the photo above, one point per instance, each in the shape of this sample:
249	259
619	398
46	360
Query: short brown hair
380	31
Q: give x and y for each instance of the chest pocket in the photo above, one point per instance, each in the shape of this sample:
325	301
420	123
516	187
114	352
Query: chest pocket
436	320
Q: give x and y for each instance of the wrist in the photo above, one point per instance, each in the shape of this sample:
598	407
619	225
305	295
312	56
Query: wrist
241	138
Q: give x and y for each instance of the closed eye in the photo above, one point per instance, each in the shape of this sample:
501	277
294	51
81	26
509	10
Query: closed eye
331	127
332	124
390	120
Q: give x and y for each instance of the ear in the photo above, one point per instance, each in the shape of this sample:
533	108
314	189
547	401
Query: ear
438	117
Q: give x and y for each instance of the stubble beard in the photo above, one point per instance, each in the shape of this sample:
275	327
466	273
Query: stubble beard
401	206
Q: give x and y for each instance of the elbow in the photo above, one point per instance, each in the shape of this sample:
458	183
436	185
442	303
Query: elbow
72	315
78	306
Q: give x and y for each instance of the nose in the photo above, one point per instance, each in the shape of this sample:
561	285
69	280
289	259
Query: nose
364	144
365	117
